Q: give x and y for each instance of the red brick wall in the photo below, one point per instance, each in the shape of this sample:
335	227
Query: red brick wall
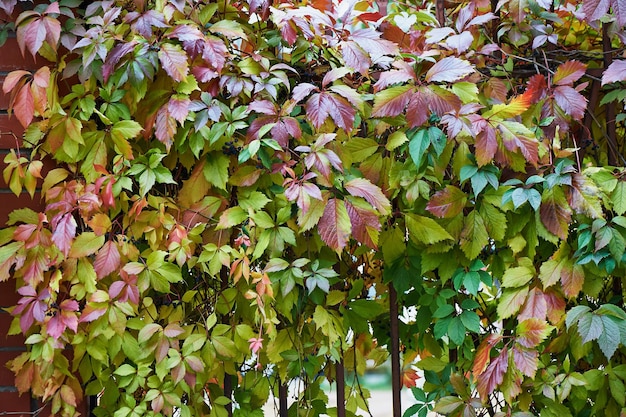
10	136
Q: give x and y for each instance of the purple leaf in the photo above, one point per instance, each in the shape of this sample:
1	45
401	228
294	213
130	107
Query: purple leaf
614	73
174	61
571	101
449	69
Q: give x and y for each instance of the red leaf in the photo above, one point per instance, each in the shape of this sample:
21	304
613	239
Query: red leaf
532	332
526	360
32	306
493	375
449	69
447	203
614	73
556	306
334	225
116	54
486	145
64	317
174	61
571	101
365	223
536	88
403	74
144	22
215	53
482	357
165	127
107	259
11	80
322	105
569	72
355	57
369	39
31	35
514	141
536	306
64	233
555	213
179	108
595	9
361	187
24	105
392	101
572	278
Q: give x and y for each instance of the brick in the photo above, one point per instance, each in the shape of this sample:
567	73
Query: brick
5	340
11	132
8	295
13	59
6	375
13	402
9	202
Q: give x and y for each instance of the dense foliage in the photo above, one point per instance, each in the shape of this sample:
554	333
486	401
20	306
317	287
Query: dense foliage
241	185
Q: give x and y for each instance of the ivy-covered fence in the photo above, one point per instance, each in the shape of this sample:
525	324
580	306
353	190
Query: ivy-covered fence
248	193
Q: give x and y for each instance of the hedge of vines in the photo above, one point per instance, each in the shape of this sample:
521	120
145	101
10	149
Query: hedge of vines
241	187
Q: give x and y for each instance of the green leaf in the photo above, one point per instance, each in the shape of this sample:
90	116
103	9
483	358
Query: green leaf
396	139
425	230
444	310
590	327
610	338
419	143
474	235
232	217
224	347
517	276
456	331
618	198
368	309
215	169
511	301
86	244
447	405
471	321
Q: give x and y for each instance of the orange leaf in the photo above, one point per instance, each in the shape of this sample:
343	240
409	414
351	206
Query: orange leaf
482	357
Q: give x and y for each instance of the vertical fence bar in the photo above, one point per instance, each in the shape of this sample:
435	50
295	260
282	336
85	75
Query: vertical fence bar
395	351
340	375
283	393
